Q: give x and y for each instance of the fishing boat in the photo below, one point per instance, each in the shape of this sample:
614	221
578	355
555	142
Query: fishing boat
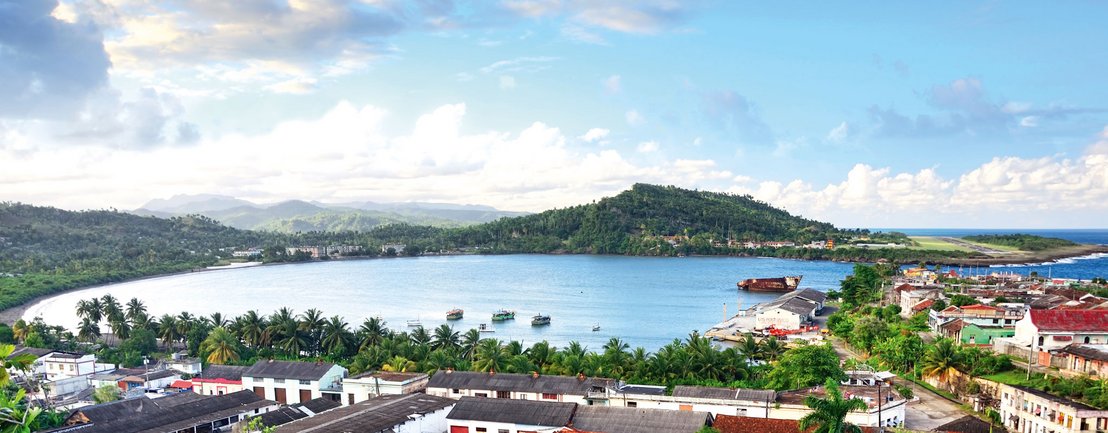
484	328
414	323
502	315
596	327
540	320
454	314
780	284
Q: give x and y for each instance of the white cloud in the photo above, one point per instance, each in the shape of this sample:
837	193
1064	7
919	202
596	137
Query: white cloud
634	118
647	147
1029	121
594	134
507	82
612	84
839	133
296	86
519	64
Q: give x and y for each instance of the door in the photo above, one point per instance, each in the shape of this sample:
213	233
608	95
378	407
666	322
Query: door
280	392
305	395
459	429
259	391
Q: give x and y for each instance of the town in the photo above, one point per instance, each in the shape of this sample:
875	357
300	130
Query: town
1053	329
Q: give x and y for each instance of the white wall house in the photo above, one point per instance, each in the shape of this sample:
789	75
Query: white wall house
61	365
290	382
485	415
792	313
372	384
1027	410
458	384
727	401
1045	330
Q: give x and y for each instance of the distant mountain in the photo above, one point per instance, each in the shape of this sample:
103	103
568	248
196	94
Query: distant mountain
301	216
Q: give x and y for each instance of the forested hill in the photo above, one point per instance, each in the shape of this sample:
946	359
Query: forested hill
635	221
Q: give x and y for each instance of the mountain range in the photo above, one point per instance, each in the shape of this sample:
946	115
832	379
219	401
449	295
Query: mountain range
303	216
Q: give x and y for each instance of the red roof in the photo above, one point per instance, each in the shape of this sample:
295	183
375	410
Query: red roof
217	380
1070	320
744	424
980	307
922	305
182	384
904	287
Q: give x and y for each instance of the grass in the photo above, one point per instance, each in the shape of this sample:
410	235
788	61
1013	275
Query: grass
934	243
1016	377
1007	248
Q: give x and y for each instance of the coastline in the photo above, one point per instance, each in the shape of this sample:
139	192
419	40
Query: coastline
12	314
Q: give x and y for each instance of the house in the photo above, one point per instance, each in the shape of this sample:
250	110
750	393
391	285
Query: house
177	412
1091	359
148	380
458	384
297	411
1024	409
884	406
38	367
289	382
1054	329
910	298
815	296
394	413
494	415
730	401
61	365
980	315
375	383
180	361
975	335
790	313
637	420
219	379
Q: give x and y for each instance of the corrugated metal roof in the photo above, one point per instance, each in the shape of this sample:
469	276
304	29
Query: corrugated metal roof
742	394
529	412
288	369
1087	351
379	414
564	385
636	420
1070	320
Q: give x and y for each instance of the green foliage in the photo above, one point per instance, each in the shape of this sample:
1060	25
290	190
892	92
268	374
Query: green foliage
1024	242
805	365
829	413
106	393
862	287
707	429
255	425
141	341
960	300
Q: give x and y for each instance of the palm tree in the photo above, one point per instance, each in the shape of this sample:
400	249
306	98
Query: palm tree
749	348
615	355
311	323
20	330
110	306
771	348
293	341
420	336
942	360
252	328
490	355
829	413
217	320
372	332
135	310
120	328
469	343
399	364
445	338
542	354
167	330
220	346
184	324
88	330
337	338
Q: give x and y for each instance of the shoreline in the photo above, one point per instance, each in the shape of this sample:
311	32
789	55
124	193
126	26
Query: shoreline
12	314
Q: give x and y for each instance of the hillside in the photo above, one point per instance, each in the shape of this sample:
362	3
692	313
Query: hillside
300	216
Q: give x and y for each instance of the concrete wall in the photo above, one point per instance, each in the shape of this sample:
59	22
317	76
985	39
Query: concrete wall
777	318
428	422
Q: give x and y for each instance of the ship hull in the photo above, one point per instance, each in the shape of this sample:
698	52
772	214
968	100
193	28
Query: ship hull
782	284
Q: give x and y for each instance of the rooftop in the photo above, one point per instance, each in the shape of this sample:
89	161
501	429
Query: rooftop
966	424
636	420
1063	401
1089	351
170	413
373	415
565	385
1070	320
793	305
227	372
867	393
762	395
288	369
530	412
390	376
742	424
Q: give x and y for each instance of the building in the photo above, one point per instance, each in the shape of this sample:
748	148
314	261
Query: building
458	384
372	384
174	413
410	413
151	380
741	424
180	361
1028	410
884	406
492	415
637	420
789	313
716	401
980	315
974	335
61	365
219	379
1042	331
910	298
1091	359
297	411
289	382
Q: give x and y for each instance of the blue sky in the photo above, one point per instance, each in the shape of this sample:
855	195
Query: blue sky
864	114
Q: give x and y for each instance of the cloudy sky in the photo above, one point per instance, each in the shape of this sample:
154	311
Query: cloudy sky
886	114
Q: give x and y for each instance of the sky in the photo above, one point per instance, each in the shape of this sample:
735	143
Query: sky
863	114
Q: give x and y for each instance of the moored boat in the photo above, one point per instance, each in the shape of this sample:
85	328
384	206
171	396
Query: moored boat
415	323
484	328
595	327
502	315
454	314
781	284
540	320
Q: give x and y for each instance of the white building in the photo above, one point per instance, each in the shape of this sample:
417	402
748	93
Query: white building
1028	410
458	384
1042	331
728	401
290	382
486	415
791	313
61	365
410	413
180	361
372	384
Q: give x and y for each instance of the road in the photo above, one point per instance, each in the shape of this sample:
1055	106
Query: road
929	411
979	248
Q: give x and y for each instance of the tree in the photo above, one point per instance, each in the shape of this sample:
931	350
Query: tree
806	365
135	310
372	332
106	393
399	364
942	360
220	346
88	330
141	341
337	339
829	413
20	330
445	337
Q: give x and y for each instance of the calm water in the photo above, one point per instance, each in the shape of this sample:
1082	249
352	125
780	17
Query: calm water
644	300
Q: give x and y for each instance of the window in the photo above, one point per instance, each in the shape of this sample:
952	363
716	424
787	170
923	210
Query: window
632	404
546	396
480	429
305	382
503	430
685	407
1086	340
456	391
480	394
503	394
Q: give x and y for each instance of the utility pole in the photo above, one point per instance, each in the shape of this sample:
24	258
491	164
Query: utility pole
1030	355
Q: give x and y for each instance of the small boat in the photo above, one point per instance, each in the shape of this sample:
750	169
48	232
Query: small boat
415	323
502	315
540	320
484	328
454	314
781	284
596	327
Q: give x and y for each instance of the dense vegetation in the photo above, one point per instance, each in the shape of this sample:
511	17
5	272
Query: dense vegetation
372	345
1023	242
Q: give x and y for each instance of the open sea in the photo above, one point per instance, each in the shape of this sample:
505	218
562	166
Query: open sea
647	301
